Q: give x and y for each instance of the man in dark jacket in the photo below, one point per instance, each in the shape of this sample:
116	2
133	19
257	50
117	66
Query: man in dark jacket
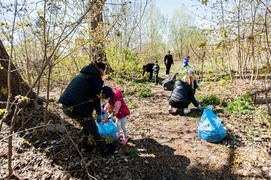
168	60
80	99
182	95
148	68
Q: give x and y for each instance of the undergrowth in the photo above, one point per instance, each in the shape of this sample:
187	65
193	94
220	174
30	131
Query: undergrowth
242	104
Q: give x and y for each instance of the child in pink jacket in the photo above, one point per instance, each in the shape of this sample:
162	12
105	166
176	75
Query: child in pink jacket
120	109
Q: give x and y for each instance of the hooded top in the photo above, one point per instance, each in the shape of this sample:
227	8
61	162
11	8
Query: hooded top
83	91
123	109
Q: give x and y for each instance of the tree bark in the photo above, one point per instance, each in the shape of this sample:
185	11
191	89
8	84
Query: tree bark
97	52
18	86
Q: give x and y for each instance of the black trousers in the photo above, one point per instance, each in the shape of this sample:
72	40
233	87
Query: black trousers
156	77
177	104
168	68
89	126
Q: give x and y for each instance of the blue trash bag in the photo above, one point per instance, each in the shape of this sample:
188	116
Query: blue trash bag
107	129
210	127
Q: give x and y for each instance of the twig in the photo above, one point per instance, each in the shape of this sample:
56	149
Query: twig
84	163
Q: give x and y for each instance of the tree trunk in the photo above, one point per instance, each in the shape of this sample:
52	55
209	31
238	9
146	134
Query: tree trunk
97	51
18	86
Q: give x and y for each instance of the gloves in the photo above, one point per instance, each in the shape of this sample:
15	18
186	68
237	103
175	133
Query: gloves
198	88
199	108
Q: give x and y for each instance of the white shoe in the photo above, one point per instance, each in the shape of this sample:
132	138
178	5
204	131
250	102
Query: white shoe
170	109
186	110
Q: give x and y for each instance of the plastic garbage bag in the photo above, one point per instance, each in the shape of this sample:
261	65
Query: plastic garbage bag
169	82
107	129
210	127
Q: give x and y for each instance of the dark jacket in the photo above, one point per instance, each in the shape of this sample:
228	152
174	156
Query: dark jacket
168	59
183	92
147	68
82	92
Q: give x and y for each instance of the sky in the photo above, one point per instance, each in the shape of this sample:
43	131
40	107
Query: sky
191	6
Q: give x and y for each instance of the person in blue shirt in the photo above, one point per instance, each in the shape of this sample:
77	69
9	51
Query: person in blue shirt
186	64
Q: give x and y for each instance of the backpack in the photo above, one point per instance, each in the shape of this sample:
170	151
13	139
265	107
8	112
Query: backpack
169	82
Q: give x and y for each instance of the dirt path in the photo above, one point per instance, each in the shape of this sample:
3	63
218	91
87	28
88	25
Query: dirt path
162	145
178	132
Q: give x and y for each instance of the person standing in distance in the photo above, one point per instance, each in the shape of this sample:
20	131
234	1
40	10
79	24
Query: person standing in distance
168	60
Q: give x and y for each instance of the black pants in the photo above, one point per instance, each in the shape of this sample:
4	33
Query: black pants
156	77
177	104
168	68
89	126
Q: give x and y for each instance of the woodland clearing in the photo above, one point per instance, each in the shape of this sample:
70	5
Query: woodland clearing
161	145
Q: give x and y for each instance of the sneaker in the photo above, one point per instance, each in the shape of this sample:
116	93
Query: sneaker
186	110
124	140
110	149
170	109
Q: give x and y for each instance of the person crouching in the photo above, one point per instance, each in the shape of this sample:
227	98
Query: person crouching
182	95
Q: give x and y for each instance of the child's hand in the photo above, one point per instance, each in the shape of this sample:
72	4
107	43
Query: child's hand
105	120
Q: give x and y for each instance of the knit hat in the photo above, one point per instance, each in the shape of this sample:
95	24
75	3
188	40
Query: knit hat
107	92
191	70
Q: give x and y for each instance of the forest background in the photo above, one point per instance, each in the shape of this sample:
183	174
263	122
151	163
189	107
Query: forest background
47	43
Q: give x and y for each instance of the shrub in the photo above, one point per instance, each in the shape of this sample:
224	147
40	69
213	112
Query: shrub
211	100
144	93
132	106
129	91
241	104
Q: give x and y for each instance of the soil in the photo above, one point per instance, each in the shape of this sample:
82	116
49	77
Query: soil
161	145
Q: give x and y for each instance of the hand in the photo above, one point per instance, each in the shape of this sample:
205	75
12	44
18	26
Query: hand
198	88
199	108
105	120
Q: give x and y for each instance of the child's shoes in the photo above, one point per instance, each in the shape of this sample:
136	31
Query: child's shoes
124	140
118	135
